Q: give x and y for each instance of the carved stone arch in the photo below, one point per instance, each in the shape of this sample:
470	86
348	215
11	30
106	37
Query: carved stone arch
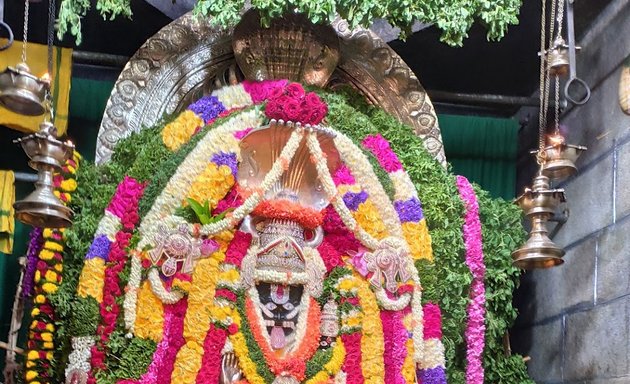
187	58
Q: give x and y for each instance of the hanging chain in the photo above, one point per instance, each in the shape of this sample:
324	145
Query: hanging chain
25	38
560	20
557	106
50	41
541	113
51	35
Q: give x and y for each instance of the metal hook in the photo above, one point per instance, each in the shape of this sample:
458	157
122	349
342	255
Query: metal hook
5	26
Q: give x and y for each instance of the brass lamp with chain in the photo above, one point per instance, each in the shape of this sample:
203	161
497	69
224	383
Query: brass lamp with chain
48	154
21	91
556	159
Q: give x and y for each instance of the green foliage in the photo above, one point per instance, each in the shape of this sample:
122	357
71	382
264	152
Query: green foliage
454	18
127	358
85	316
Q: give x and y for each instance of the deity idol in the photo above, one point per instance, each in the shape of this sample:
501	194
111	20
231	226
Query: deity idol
269	251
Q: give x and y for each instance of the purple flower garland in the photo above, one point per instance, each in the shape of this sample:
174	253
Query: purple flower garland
475	328
34	247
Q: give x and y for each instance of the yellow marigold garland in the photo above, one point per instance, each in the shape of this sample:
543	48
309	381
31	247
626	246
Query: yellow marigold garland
150	314
372	342
180	130
196	324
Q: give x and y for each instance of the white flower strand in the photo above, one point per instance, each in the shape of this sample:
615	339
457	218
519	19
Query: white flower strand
131	296
109	225
385	302
363	172
331	191
79	358
274	174
404	189
158	289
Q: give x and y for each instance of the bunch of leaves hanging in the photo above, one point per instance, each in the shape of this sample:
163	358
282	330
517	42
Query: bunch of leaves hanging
454	18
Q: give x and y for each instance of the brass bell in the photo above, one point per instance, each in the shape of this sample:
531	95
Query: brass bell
538	251
558	58
42	208
22	92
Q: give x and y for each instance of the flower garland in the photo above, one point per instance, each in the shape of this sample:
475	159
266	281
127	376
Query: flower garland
395	351
34	248
406	201
475	327
204	281
432	367
372	341
162	365
215	181
123	205
47	277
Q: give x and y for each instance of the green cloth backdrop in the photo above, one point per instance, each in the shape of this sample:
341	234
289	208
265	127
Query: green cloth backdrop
483	149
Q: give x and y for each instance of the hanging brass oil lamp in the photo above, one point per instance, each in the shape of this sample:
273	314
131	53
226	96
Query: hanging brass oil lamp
21	91
558	58
560	158
539	204
47	155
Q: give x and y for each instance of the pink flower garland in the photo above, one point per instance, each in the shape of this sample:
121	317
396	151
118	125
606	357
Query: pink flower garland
210	371
352	362
124	205
384	154
161	368
395	350
475	329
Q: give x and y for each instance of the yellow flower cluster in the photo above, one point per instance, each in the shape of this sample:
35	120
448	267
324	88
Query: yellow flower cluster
196	324
368	217
180	130
348	286
212	184
372	341
150	314
419	240
242	352
92	279
332	367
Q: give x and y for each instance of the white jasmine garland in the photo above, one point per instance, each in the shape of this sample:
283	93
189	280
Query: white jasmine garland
233	96
404	188
79	358
131	294
363	172
418	327
160	292
391	304
109	226
283	278
433	354
331	191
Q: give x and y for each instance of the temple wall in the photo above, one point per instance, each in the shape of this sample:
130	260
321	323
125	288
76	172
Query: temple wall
574	320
